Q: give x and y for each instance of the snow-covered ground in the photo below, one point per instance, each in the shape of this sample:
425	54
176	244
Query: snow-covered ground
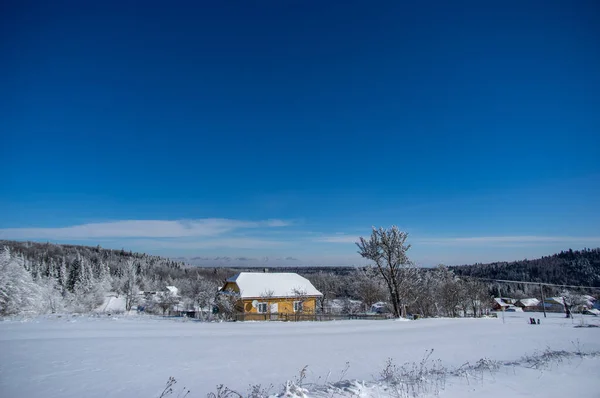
76	356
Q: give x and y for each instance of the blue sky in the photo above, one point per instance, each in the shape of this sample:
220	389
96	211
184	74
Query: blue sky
286	129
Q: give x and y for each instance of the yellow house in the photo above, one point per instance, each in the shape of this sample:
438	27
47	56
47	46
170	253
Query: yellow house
263	296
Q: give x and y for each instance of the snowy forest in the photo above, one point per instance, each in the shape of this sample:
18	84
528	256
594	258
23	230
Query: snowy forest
571	267
38	278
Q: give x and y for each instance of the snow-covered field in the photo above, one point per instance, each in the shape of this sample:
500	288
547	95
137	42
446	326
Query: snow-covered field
76	356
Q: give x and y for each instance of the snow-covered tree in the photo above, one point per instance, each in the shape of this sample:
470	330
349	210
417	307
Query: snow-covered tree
328	285
18	292
52	298
368	287
227	303
387	249
200	291
129	286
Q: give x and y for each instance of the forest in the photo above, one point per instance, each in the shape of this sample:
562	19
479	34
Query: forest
571	267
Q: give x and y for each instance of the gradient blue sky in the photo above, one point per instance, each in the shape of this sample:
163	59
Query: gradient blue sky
285	129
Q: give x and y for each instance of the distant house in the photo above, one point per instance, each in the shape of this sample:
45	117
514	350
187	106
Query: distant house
528	304
164	301
592	311
500	304
589	301
513	308
554	304
264	296
173	290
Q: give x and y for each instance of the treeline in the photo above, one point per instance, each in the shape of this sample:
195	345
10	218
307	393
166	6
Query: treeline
571	267
44	277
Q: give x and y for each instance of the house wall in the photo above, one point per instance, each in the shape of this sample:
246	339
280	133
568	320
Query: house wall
284	305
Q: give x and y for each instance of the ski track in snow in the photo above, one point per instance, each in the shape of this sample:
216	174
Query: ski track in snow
134	356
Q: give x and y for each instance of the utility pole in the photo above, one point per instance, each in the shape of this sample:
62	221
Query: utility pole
543	299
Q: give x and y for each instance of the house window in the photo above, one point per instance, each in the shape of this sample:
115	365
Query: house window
297	306
262	308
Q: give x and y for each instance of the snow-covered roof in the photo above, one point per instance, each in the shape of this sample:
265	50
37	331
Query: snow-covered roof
379	304
173	290
529	302
280	284
500	302
592	311
554	300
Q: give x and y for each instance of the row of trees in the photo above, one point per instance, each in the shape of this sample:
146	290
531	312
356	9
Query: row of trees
427	292
570	267
43	277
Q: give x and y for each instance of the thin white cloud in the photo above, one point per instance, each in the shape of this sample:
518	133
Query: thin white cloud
141	229
476	240
337	239
518	240
221	243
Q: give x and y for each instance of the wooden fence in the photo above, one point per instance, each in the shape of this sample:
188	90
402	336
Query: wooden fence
285	317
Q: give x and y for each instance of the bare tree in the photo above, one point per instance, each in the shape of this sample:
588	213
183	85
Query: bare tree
227	303
450	292
368	287
300	298
328	285
267	297
166	300
476	296
572	302
387	249
201	292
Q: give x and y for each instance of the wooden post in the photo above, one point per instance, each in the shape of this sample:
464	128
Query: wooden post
543	299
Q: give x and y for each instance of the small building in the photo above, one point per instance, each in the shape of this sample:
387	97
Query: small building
513	308
272	296
554	304
528	304
500	303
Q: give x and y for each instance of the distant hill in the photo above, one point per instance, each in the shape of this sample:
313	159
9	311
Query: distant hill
579	267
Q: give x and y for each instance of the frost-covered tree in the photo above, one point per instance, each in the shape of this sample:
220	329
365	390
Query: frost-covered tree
476	296
387	249
18	292
166	300
328	285
450	293
63	276
368	287
52	297
128	284
227	303
572	302
201	292
300	297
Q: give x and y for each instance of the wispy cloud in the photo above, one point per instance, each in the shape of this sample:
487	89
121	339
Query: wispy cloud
141	229
337	239
225	242
475	240
503	240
